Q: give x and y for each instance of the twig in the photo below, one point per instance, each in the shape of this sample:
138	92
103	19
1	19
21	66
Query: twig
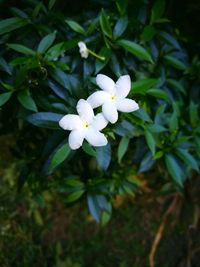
160	231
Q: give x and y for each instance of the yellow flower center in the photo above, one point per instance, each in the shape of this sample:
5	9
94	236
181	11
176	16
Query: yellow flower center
86	125
112	97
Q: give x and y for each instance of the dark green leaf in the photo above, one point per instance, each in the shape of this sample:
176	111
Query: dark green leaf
22	49
176	85
142	86
89	149
60	155
74	196
4	98
150	141
174	62
26	100
158	93
46	42
120	27
100	64
75	26
103	156
51	4
11	24
45	119
157	10
122	148
105	24
135	49
187	158
146	163
174	169
148	33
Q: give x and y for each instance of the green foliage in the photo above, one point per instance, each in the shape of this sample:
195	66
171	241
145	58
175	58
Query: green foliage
43	76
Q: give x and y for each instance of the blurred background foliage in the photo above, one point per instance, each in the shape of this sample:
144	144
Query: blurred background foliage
152	159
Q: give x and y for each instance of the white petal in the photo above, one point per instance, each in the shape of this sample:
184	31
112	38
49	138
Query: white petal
99	122
71	122
127	105
95	138
83	49
110	112
82	45
76	138
85	110
98	98
105	83
123	86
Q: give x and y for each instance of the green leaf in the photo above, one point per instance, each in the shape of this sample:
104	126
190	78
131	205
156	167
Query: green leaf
46	42
142	86
157	10
187	158
26	100
45	119
11	24
60	155
51	4
146	163
120	27
103	156
5	66
174	62
158	93
150	141
135	49
88	149
193	110
22	49
74	196
156	128
141	114
75	26
122	6
122	148
176	85
174	169
105	25
99	64
4	98
173	122
148	33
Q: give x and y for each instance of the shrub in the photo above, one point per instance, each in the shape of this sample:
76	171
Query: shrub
43	76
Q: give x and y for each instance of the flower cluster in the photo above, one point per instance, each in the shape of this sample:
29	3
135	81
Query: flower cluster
87	125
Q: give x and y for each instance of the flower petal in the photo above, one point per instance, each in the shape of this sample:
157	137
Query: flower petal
98	98
71	122
127	105
95	138
76	138
123	86
105	83
99	122
85	110
110	112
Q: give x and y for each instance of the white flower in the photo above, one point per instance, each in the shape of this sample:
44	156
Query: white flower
113	96
83	50
84	126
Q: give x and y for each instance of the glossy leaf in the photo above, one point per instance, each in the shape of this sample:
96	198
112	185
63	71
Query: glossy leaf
103	156
45	119
46	42
75	26
60	155
4	97
174	169
122	148
26	100
105	24
22	49
11	24
135	49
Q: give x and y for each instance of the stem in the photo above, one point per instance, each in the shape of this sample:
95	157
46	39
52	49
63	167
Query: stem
95	55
